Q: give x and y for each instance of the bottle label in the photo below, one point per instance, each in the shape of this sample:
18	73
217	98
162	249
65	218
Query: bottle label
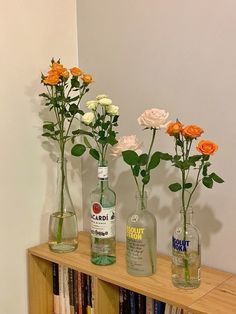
102	173
102	221
180	245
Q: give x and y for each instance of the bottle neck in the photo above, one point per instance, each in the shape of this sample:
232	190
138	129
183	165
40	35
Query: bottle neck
61	174
103	173
186	216
141	201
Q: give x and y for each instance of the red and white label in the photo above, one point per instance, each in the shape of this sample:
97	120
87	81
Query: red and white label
102	221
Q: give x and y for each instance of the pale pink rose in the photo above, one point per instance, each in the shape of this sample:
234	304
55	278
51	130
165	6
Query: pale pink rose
129	142
153	118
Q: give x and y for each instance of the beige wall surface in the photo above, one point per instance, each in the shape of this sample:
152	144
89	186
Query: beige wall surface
31	33
180	56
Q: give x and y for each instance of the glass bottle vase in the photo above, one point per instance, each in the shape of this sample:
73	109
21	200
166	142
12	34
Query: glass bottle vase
186	253
103	233
141	235
63	226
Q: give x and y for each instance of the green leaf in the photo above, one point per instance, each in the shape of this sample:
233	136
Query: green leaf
195	157
78	150
143	173
143	159
101	133
165	156
208	182
49	127
146	179
216	178
112	140
44	95
188	185
154	161
206	157
130	157
86	142
176	158
75	83
83	132
179	143
115	119
75	98
136	170
174	187
73	109
94	153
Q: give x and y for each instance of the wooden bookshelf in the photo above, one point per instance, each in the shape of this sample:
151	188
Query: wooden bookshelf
216	294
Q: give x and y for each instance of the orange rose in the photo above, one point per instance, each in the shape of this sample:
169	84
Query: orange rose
51	79
87	78
207	147
57	67
174	128
76	71
192	131
65	73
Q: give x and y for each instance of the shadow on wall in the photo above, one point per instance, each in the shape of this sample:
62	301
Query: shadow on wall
160	205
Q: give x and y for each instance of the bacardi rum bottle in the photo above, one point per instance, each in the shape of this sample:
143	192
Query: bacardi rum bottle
103	230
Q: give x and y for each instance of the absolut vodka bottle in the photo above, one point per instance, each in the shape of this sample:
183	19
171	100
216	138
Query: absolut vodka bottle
186	253
103	201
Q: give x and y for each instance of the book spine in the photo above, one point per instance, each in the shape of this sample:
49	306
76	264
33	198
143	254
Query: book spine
132	302
84	292
141	303
121	300
79	287
61	290
66	289
92	296
55	275
149	305
75	292
71	288
158	307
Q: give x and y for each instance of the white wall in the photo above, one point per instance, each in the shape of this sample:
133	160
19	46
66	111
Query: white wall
31	33
177	55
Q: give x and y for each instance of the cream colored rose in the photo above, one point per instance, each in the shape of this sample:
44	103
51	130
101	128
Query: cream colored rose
153	118
101	96
129	142
92	104
87	118
105	102
112	110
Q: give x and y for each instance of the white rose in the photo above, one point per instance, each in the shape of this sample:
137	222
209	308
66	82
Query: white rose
105	102
112	110
92	104
129	142
87	118
101	96
153	118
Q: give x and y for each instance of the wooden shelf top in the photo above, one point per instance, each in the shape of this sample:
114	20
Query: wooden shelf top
158	286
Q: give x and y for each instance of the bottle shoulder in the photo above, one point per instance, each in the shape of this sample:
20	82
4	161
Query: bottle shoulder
191	230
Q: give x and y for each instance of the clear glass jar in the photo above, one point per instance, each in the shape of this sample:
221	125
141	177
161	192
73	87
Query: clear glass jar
141	240
103	228
186	253
63	226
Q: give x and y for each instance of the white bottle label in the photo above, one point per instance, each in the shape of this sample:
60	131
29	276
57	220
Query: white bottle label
102	221
102	172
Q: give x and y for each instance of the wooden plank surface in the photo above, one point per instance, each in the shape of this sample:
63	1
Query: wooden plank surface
221	300
40	285
158	286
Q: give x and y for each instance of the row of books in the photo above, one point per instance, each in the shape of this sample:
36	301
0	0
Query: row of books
72	291
131	302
